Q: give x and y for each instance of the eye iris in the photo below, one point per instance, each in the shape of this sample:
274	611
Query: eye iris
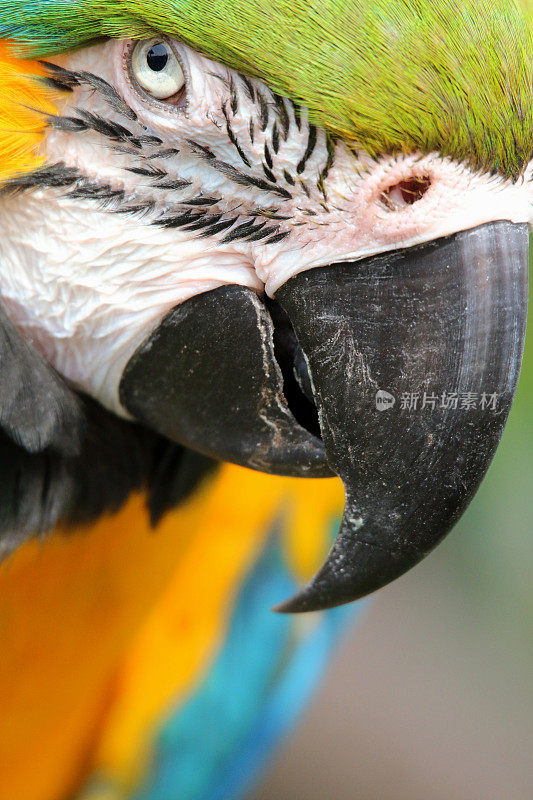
155	67
157	57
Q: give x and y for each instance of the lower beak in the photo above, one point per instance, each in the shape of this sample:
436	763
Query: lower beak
209	378
414	358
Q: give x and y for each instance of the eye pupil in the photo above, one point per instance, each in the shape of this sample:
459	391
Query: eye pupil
157	57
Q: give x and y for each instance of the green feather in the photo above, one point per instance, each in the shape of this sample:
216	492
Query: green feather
387	76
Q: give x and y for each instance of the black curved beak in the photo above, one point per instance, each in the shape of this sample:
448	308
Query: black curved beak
396	373
439	329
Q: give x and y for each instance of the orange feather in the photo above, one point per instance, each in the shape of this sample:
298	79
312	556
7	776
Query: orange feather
25	102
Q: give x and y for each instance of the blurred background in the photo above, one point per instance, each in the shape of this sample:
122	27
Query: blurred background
430	697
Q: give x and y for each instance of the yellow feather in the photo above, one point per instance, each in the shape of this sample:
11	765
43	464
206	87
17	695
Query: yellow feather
103	630
24	104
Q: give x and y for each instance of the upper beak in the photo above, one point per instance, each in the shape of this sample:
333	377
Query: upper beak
427	324
438	328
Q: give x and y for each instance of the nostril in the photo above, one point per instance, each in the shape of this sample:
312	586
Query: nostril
404	193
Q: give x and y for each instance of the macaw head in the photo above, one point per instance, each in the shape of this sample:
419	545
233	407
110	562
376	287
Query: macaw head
290	236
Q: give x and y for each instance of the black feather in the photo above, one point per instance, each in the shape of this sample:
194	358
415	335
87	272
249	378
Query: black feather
37	408
65	459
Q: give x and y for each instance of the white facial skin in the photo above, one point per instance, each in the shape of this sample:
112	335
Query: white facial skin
88	278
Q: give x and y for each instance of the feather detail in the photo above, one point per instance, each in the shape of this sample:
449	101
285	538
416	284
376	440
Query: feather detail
152	624
25	100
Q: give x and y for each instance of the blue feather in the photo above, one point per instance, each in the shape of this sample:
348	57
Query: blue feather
212	747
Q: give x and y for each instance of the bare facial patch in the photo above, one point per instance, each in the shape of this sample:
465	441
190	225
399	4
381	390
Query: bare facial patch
147	200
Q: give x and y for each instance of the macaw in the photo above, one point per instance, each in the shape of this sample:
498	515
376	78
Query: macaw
244	249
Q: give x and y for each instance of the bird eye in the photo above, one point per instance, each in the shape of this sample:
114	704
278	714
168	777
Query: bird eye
156	69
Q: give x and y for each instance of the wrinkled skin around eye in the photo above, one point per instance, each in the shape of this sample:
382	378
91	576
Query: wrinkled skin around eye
145	204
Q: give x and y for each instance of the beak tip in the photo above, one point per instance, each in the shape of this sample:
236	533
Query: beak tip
309	599
289	606
305	599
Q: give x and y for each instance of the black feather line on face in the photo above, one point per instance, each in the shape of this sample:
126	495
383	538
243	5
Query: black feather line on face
202	201
168	153
233	138
53	176
311	142
118	133
122	139
283	116
72	79
60	74
275	138
268	157
234	97
174	183
193	214
330	145
256	235
212	230
249	87
55	83
264	111
269	174
240	178
149	170
205	221
278	237
297	114
179	220
308	193
242	231
65	459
